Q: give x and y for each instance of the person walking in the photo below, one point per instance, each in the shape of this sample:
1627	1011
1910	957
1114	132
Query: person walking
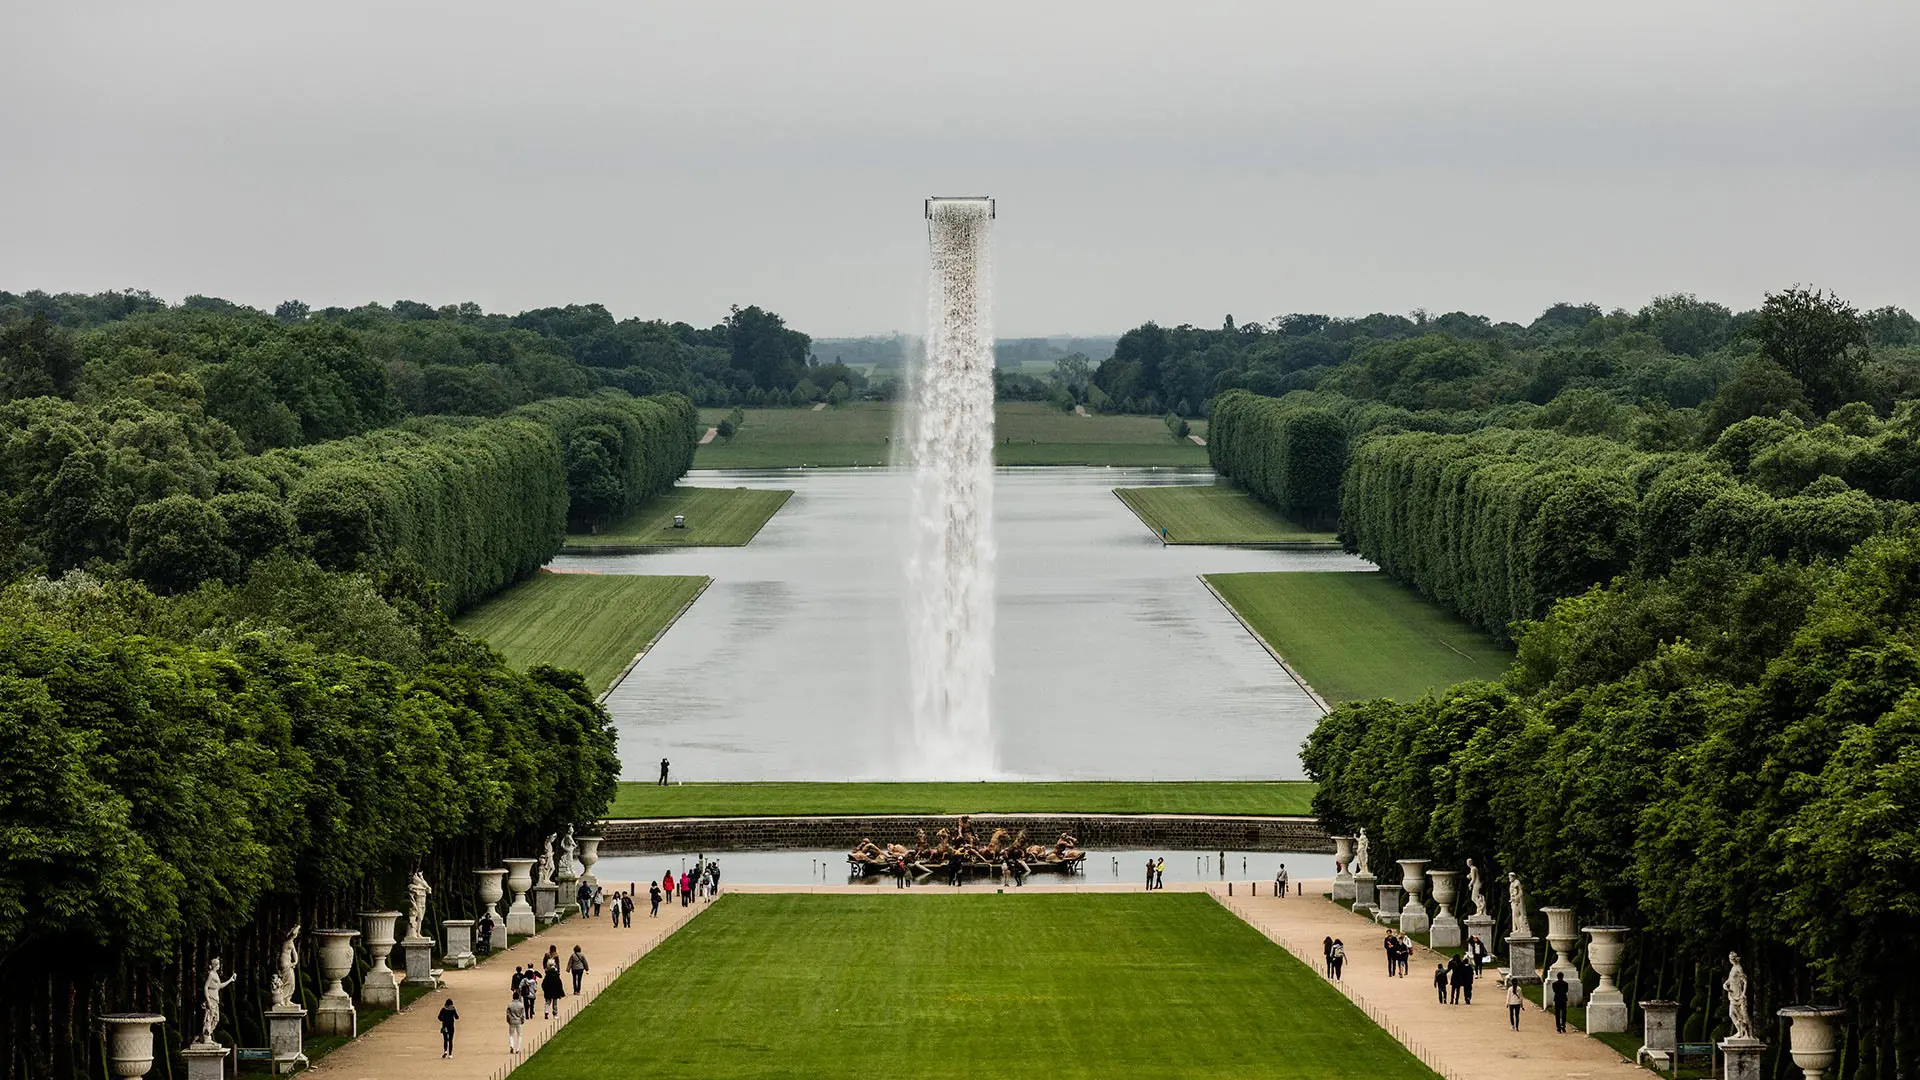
653	894
666	886
686	888
1149	875
516	1018
1339	957
583	896
1440	982
1560	1002
1406	954
529	987
1280	882
663	772
483	936
577	964
1513	1004
551	961
1393	955
626	910
1461	971
1160	872
553	990
1326	956
448	1016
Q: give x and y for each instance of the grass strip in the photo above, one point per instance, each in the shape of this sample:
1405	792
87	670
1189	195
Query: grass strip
1216	514
715	517
1077	797
592	623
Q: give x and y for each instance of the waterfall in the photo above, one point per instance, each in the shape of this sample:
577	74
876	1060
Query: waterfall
950	558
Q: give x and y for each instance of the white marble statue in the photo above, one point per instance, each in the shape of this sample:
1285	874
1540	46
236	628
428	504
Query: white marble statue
1737	1009
210	1008
566	852
1517	905
546	863
284	979
1476	888
1360	851
417	892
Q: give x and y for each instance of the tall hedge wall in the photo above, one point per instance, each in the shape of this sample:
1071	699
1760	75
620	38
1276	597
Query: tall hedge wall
1288	454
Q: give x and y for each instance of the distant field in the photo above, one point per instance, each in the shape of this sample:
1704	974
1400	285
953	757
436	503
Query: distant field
944	985
1082	797
1215	514
593	623
1361	635
1026	433
716	517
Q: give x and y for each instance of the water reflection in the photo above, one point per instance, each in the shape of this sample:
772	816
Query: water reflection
1103	867
1112	661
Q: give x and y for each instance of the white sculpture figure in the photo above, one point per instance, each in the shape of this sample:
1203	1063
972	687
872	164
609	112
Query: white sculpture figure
546	863
566	852
417	891
210	1010
1476	888
283	978
1517	905
1737	1011
1360	854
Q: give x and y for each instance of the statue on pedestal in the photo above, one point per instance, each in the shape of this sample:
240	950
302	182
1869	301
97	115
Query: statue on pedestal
417	892
1517	904
210	1010
1476	889
1737	1010
546	862
566	852
1360	851
285	977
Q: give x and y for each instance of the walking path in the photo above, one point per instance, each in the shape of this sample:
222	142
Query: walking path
707	436
408	1043
1461	1042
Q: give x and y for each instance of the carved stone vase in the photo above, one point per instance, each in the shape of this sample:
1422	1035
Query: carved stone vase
1343	868
1811	1037
130	1042
335	1014
1606	1006
1444	932
1563	933
380	989
1413	878
589	854
519	880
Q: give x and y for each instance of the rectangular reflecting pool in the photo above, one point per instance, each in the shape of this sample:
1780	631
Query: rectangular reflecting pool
1112	660
1106	867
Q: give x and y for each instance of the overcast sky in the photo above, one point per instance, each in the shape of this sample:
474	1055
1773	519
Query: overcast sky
1172	161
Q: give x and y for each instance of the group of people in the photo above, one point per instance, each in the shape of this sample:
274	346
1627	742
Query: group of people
1334	951
700	883
544	982
1399	952
1156	873
1457	975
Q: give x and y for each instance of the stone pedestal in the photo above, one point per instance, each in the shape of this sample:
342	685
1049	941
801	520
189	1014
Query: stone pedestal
1811	1037
1481	926
1606	1006
287	1035
1659	1032
589	854
1444	932
335	1014
1563	935
419	954
1365	895
459	937
380	989
206	1061
1740	1058
1389	911
1342	872
1523	958
130	1042
545	904
1413	913
492	886
520	913
567	888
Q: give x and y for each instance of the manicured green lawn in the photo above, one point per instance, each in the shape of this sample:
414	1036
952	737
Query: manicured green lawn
716	517
1361	635
1026	433
939	985
1216	514
593	623
1083	797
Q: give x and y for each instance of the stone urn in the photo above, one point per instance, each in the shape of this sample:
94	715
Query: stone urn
1444	932
1606	1006
1564	935
492	885
589	854
1413	911
379	989
519	880
335	1014
1343	868
130	1042
1811	1037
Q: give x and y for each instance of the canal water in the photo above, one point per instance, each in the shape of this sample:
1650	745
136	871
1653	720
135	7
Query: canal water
617	872
1112	660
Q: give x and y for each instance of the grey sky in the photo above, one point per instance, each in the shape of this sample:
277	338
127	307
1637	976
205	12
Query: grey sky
1175	161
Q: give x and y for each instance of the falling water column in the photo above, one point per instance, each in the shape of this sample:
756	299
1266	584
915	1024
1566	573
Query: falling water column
950	563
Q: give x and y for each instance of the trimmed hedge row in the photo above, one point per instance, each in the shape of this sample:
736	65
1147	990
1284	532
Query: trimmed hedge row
1289	455
618	451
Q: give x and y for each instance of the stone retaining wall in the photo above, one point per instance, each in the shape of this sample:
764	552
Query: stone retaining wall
1188	832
